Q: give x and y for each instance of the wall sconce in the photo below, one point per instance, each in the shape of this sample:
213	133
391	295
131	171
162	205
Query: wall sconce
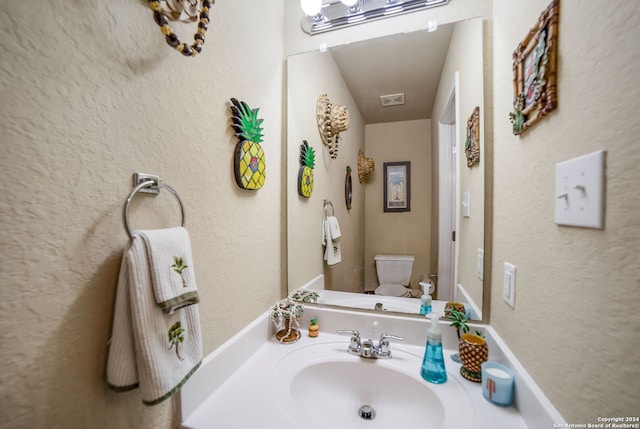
327	15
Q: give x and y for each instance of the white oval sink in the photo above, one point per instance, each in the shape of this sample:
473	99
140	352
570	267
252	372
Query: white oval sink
322	386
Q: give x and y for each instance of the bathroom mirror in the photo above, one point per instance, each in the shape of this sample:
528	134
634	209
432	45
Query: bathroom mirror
440	77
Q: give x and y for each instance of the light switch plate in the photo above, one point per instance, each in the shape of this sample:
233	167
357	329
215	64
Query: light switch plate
509	291
466	197
580	191
480	264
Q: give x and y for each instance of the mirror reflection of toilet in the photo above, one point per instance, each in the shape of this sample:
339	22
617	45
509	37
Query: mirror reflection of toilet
394	274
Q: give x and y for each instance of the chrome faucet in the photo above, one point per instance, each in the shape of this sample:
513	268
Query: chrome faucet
367	348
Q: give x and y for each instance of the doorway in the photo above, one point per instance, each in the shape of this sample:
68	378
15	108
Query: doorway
448	197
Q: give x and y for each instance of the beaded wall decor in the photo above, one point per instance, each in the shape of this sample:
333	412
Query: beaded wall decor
249	163
186	11
332	119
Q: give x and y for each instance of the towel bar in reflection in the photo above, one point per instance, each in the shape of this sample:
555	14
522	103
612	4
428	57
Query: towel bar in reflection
147	183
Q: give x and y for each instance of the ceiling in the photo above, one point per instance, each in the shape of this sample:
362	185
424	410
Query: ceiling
409	63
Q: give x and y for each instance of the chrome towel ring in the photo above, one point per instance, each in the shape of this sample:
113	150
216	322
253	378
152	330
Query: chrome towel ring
327	204
149	184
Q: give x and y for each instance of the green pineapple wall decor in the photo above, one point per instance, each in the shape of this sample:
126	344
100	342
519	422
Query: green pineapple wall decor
305	174
248	163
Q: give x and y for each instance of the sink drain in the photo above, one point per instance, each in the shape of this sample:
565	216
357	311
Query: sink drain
367	412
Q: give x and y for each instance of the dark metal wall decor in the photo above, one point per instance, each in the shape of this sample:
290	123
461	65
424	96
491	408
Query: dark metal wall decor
472	144
348	188
534	72
249	162
332	119
305	174
186	11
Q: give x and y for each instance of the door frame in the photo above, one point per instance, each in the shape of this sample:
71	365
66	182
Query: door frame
448	186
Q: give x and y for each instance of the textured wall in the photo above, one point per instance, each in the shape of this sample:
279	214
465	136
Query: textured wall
90	94
576	326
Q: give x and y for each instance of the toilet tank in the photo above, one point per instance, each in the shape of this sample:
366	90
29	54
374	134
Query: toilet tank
394	269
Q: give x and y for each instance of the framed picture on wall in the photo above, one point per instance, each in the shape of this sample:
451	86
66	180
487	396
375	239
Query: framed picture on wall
397	186
534	72
472	144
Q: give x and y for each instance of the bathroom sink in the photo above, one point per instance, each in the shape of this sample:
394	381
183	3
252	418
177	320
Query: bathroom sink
329	388
253	381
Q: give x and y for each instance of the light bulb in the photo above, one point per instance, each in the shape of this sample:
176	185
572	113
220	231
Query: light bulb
311	7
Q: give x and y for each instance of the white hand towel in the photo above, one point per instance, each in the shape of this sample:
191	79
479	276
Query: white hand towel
334	228
150	349
171	263
324	231
332	252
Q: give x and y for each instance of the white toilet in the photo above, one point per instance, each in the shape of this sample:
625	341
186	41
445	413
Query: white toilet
394	274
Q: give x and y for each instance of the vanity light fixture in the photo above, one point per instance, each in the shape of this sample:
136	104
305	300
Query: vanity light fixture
186	11
335	14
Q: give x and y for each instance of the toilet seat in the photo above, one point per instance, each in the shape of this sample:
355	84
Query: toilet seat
392	290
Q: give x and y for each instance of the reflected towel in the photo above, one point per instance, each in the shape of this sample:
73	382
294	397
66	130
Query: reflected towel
149	348
172	273
332	253
334	228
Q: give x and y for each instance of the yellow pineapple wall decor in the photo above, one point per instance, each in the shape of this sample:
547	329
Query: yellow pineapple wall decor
248	163
305	174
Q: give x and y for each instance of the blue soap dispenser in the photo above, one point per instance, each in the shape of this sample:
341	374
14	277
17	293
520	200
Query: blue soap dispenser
433	369
425	304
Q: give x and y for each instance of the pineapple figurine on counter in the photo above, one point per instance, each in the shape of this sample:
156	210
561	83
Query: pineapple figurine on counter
305	174
314	328
249	163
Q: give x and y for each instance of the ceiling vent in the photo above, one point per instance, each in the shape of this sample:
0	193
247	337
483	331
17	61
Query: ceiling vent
392	99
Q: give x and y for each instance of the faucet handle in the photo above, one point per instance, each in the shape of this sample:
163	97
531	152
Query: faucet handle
384	348
385	337
353	332
355	344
